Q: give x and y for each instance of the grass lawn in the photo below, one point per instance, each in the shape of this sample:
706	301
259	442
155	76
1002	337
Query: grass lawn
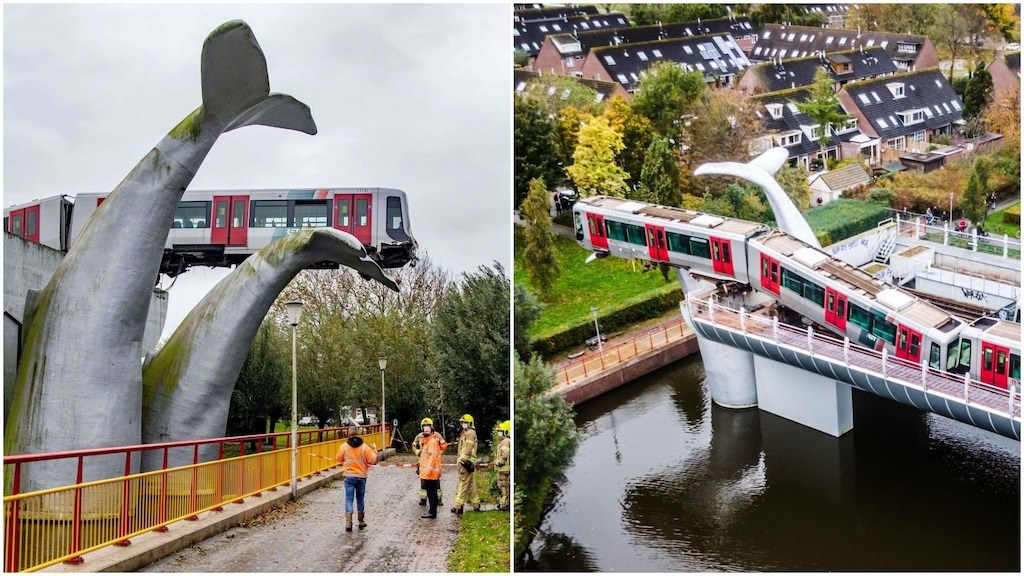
996	227
601	283
483	543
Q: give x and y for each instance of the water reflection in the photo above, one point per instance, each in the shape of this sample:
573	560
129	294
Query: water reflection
666	481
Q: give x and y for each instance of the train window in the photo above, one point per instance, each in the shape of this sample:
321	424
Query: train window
915	346
578	219
934	356
616	230
814	293
726	258
192	214
678	242
1001	363
635	235
310	213
30	222
965	353
270	214
1014	366
16	227
986	362
884	330
362	212
792	281
860	317
394	214
699	247
6	223
343	213
951	357
222	214
238	214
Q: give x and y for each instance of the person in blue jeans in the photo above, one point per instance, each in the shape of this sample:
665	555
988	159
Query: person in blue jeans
355	458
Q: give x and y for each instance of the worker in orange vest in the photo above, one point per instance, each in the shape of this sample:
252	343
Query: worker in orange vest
432	445
417	445
355	458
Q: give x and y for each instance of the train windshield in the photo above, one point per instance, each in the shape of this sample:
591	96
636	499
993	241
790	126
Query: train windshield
394	219
965	353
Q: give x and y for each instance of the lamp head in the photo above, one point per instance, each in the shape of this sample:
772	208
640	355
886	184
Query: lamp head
383	363
294	309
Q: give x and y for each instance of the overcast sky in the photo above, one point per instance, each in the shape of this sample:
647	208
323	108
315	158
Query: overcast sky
414	97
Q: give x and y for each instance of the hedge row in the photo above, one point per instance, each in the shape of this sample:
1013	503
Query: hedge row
623	315
1012	215
844	218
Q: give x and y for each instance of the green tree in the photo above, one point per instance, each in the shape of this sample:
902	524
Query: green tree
637	133
471	337
955	24
263	388
535	153
545	433
555	92
692	12
520	57
644	14
973	201
659	179
526	310
666	94
796	14
822	106
541	258
881	196
794	182
909	18
594	170
978	95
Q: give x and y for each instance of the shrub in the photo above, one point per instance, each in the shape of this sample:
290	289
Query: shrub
842	218
881	196
1012	215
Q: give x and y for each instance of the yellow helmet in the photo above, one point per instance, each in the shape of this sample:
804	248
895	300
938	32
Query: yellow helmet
426	421
505	427
466	418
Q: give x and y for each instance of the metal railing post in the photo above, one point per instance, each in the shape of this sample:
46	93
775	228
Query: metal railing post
924	373
13	540
885	358
846	350
711	310
775	328
1006	245
125	494
810	339
967	388
743	320
76	520
194	489
162	506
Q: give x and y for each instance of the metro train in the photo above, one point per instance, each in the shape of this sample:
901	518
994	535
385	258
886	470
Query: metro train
223	227
803	279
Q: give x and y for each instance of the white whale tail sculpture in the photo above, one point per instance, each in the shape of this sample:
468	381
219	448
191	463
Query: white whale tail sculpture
761	171
79	382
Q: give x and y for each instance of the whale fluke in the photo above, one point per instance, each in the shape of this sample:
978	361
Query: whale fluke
188	382
760	171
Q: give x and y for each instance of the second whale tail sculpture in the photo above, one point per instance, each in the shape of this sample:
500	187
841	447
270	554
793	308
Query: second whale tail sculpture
189	381
761	171
79	382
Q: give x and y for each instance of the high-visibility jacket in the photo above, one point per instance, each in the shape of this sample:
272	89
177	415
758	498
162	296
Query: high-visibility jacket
467	446
501	462
430	456
356	460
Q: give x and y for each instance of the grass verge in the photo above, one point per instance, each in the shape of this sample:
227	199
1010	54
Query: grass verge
483	542
995	225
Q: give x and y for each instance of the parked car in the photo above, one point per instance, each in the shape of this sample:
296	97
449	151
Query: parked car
1013	46
308	421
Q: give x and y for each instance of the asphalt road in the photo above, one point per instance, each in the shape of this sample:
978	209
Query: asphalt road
309	535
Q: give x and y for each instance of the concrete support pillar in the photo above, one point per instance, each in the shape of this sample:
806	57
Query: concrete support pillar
806	398
729	371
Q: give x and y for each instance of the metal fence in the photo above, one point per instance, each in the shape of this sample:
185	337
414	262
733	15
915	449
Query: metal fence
595	362
46	527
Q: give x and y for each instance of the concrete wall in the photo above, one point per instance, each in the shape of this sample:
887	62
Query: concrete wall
859	250
29	266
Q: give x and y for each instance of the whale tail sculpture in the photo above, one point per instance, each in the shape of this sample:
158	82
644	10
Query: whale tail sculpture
761	171
74	349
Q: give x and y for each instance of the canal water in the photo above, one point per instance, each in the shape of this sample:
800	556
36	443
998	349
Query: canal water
665	480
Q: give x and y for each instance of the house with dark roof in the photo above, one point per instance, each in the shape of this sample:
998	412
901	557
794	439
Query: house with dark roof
1005	71
844	67
907	51
787	127
529	34
527	82
904	111
716	56
535	12
564	53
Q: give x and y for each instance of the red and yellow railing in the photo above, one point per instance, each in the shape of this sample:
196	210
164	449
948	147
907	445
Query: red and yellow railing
616	354
45	527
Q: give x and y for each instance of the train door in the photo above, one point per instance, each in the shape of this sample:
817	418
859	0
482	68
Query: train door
721	255
908	344
353	214
656	242
17	222
835	311
230	220
769	274
994	361
597	236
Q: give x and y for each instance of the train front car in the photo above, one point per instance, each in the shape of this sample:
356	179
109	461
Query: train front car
395	245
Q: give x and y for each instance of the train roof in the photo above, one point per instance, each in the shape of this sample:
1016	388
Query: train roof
226	191
671	214
857	281
999	328
37	201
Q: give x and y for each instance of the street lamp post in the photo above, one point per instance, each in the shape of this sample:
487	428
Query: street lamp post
383	363
950	210
294	311
600	348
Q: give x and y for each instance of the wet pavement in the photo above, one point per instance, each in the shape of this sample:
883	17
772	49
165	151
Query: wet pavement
309	535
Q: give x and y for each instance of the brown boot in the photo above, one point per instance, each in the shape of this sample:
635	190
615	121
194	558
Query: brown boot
362	521
348	521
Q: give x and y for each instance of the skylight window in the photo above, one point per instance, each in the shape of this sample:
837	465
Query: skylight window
767	34
714	64
864	98
525	46
884	43
803	37
609	60
928	113
955	104
893	120
556	27
948	109
792	108
597	23
634	77
871	42
792	36
937	109
688	32
782	53
622	79
842	41
520	87
543	28
937	83
881	122
687	49
642	55
621	21
829	39
700	66
657	53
